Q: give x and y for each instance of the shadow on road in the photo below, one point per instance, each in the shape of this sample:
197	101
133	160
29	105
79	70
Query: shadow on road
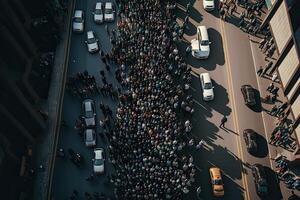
262	145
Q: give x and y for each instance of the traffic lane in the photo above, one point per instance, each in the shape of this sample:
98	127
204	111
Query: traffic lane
67	176
243	72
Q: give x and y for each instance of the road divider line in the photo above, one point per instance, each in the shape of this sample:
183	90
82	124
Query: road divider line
235	121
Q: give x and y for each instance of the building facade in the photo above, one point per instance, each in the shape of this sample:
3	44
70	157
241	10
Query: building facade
283	21
24	28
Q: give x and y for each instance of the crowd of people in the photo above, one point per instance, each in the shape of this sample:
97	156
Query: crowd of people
146	143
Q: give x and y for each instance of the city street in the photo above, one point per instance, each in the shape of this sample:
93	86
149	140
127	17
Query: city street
231	64
67	176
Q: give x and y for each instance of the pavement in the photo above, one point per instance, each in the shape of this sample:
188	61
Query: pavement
233	62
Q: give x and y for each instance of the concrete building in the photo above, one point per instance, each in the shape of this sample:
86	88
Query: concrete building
21	38
283	21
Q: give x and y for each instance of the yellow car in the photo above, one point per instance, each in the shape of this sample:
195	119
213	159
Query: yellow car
216	181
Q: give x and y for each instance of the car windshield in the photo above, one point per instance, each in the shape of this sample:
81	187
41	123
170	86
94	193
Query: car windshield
108	11
99	162
98	11
88	114
89	136
77	19
207	86
217	182
204	42
91	40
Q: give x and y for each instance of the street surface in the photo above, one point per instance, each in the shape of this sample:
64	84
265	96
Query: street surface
230	65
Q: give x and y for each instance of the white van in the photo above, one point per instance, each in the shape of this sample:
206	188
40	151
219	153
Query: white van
207	87
208	5
200	45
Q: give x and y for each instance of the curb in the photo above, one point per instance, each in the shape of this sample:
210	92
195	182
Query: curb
60	103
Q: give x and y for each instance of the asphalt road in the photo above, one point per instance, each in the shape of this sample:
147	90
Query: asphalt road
66	175
230	65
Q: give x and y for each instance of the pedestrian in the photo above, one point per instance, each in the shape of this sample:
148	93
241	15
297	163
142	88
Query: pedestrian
259	71
233	8
274	77
241	23
270	87
200	144
188	7
274	110
274	98
223	121
275	91
267	98
222	13
107	30
188	50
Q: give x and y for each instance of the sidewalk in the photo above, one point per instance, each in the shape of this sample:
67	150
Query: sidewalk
46	143
268	120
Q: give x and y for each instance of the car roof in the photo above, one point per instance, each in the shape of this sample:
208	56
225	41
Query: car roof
89	133
206	77
90	34
88	105
108	5
203	31
98	153
98	5
216	172
78	13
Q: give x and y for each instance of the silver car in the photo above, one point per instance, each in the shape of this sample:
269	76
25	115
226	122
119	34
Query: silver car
89	114
98	161
89	137
92	42
98	13
78	21
109	12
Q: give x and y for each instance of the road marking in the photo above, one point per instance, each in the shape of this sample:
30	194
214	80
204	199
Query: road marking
259	89
235	121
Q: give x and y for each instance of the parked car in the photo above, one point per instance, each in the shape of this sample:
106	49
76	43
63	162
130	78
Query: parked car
208	5
109	12
216	181
98	161
89	114
260	179
248	94
250	138
207	87
200	45
92	42
78	21
90	137
98	13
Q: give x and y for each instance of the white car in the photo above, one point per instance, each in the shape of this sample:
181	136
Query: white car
98	13
207	87
78	21
200	45
92	42
89	137
109	12
208	5
98	161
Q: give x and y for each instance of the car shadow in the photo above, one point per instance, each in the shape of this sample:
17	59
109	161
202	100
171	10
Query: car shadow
262	150
257	107
273	182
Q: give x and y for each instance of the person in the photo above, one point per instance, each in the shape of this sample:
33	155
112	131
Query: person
223	121
267	67
275	91
259	71
188	50
222	13
270	87
274	110
274	77
200	144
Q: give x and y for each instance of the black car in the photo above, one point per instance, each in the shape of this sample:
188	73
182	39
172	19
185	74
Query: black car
250	138
260	179
89	114
248	94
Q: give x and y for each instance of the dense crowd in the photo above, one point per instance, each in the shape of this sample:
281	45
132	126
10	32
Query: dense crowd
148	136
